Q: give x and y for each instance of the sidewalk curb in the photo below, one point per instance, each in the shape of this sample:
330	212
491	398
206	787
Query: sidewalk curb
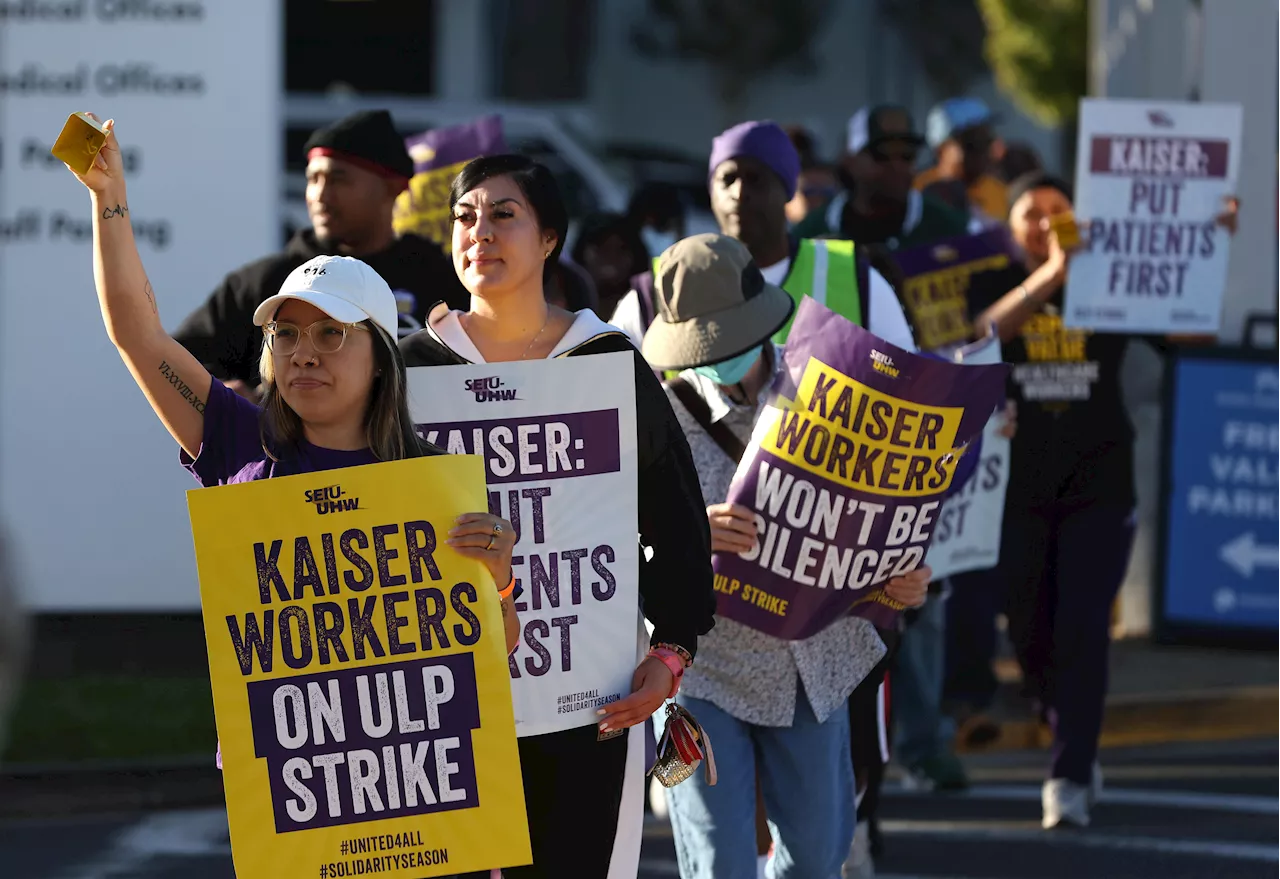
1146	719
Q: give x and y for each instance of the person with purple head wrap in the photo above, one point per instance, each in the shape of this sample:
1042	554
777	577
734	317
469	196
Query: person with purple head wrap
763	141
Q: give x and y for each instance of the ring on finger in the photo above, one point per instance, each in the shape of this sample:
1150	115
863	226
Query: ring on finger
490	546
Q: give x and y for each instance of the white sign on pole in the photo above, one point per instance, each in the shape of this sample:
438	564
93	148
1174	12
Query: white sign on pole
559	445
1151	177
90	482
967	537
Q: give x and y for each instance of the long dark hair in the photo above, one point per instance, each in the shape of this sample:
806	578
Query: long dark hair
388	426
536	183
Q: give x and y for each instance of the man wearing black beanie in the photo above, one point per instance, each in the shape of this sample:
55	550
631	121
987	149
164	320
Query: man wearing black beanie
355	169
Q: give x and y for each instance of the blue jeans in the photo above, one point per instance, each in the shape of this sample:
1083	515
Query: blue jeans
916	686
806	775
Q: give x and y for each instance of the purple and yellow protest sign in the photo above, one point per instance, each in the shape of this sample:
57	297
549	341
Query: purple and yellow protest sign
939	278
359	674
438	155
1151	178
846	473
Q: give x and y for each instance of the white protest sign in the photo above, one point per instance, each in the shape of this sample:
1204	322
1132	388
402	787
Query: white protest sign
194	87
967	537
1151	177
559	443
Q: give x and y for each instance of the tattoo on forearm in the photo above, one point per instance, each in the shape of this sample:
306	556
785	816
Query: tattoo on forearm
151	297
118	211
506	608
187	394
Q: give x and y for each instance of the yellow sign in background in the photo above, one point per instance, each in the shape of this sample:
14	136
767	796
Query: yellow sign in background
423	208
359	674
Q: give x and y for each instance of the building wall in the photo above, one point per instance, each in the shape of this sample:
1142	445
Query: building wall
860	58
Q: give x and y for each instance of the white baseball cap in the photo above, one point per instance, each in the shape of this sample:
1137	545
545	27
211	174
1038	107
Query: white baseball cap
342	287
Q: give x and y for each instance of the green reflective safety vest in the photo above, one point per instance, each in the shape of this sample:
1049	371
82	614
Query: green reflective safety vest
823	269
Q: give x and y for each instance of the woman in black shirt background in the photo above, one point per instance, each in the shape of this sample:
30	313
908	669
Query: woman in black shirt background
1070	508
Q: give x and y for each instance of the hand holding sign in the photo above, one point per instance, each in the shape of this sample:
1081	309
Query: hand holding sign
106	175
733	528
488	539
1230	216
1062	245
911	588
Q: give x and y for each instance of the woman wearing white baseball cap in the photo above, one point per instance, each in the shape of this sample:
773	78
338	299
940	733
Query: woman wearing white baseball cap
334	378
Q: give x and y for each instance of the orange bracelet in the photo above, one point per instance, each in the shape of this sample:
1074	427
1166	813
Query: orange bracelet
511	587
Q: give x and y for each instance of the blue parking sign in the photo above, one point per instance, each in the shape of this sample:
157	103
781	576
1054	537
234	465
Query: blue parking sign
1219	547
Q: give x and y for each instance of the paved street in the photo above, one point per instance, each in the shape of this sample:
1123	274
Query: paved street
1180	811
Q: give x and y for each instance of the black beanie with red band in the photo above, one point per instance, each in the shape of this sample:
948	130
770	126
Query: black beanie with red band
368	139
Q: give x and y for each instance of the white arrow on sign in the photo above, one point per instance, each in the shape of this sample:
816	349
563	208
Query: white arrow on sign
1243	555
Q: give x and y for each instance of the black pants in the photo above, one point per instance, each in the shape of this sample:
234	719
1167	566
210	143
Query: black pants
572	795
1064	565
977	598
865	730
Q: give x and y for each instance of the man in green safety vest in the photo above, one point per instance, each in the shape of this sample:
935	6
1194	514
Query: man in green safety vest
752	175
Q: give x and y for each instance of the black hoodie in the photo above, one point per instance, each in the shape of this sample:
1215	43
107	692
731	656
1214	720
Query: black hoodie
676	583
221	333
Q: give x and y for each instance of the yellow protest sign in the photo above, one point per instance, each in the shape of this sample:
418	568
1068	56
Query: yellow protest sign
423	208
359	675
843	430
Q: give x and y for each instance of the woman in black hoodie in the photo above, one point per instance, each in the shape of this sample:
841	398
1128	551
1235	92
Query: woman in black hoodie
509	225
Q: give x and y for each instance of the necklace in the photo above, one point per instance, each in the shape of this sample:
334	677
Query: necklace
537	336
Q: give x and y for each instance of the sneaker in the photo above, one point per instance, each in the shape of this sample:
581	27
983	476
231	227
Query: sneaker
1065	803
941	772
859	864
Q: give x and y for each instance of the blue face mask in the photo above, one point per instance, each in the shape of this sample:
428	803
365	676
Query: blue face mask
730	372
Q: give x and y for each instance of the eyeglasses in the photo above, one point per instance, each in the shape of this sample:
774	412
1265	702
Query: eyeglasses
327	336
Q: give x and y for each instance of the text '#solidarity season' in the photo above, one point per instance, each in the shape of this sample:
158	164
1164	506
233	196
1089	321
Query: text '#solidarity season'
560	456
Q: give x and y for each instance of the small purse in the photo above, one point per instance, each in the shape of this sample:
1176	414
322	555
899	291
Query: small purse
683	747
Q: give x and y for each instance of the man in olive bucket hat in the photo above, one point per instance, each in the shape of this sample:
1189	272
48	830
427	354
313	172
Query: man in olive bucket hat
715	316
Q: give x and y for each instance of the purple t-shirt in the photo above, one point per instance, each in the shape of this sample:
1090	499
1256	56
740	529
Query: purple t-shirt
232	452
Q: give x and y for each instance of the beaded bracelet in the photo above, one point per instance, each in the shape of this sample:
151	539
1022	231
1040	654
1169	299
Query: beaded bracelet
674	664
685	656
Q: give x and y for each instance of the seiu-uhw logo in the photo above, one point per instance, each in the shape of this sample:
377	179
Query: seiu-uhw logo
331	499
883	363
489	390
1160	119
